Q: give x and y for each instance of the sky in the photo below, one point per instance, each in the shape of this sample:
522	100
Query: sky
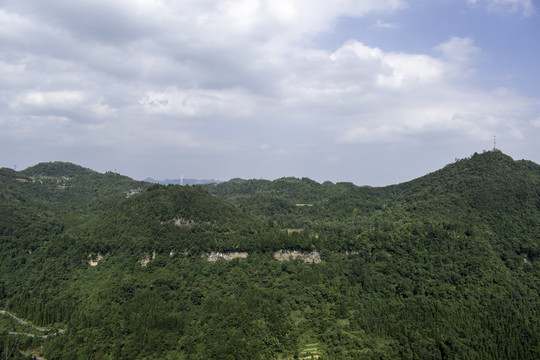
373	92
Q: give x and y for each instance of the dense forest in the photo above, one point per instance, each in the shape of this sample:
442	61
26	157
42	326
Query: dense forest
100	266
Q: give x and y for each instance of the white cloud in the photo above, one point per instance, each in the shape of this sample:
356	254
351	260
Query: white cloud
459	54
516	132
174	137
56	99
407	69
459	50
157	77
102	110
385	25
228	102
7	68
50	120
359	92
525	7
365	135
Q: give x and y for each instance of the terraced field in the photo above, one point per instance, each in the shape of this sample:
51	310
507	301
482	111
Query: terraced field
311	351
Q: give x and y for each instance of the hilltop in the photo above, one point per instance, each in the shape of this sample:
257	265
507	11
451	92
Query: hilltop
65	187
172	219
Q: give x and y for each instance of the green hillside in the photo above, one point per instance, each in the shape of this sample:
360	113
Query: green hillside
66	188
444	266
172	218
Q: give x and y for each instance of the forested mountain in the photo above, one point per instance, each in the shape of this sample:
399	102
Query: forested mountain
65	188
444	266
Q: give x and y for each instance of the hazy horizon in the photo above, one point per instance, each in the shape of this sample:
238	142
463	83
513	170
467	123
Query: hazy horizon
372	92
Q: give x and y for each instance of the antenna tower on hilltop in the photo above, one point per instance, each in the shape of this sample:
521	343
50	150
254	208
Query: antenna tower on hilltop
494	142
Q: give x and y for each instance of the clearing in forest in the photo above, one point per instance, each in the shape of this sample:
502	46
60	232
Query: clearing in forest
311	351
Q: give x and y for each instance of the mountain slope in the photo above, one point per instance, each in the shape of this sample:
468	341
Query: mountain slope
173	218
444	266
489	189
66	188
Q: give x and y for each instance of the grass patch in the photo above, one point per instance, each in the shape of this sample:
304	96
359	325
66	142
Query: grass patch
310	351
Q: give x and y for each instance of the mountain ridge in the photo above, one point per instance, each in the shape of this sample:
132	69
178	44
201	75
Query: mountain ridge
182	181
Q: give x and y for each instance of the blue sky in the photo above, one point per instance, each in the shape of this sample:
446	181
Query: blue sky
369	91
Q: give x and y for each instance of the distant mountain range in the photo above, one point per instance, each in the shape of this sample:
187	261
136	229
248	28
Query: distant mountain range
182	181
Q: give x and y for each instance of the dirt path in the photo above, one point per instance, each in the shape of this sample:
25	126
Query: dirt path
26	323
33	354
27	334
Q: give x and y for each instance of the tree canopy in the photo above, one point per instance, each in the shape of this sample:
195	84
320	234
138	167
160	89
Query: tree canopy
443	266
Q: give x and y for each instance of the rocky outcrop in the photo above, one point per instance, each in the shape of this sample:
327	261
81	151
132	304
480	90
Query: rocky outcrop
215	256
94	260
289	255
146	258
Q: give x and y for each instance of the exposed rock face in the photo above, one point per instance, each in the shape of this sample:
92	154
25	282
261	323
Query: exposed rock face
183	222
94	260
215	256
180	222
289	255
132	192
146	258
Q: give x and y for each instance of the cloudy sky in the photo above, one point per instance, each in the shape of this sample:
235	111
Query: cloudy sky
368	91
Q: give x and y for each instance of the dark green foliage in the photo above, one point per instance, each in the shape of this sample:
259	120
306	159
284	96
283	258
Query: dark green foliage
69	190
172	218
445	266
